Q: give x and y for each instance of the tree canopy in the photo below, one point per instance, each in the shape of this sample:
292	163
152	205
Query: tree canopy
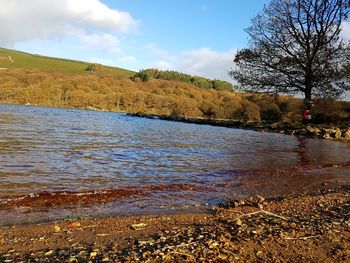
296	47
200	82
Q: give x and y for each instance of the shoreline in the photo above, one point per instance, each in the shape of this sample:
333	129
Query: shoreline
321	131
313	227
276	229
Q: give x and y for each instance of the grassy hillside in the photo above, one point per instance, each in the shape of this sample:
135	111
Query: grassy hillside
22	60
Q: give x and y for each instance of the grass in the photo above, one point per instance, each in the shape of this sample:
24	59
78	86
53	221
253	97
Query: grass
23	60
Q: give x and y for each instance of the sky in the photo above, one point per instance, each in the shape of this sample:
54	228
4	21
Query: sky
198	37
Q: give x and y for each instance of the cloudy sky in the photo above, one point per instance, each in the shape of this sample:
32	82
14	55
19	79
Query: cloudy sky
193	36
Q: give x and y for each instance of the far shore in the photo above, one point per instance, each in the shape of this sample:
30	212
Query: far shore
323	131
319	130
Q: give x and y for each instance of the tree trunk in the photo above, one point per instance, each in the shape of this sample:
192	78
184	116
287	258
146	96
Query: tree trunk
307	93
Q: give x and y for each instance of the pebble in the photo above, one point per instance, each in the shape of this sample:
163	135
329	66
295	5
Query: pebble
93	254
239	222
57	229
73	259
219	242
74	224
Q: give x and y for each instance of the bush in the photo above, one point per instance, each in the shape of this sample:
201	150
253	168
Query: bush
250	112
143	75
269	111
222	85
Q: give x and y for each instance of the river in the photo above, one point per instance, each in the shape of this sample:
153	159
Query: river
57	163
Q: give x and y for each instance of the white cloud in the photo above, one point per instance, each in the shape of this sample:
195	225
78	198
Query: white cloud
46	19
96	14
96	41
346	30
102	61
162	65
206	62
127	60
163	54
203	62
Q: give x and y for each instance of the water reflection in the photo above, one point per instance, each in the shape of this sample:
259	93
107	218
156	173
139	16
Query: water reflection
62	150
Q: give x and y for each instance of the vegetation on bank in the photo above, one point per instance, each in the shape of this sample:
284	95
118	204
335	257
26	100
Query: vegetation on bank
110	92
44	81
145	75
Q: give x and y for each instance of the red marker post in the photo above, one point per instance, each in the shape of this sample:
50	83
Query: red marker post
307	116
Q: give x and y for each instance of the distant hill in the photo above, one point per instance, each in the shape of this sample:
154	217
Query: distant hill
12	59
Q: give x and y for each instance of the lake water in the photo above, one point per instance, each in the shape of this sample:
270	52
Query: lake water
56	163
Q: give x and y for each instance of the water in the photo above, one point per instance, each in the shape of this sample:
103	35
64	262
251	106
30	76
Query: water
96	163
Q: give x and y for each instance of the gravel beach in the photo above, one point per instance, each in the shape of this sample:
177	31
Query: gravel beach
306	228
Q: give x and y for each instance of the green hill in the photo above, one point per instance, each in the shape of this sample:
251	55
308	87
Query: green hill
12	59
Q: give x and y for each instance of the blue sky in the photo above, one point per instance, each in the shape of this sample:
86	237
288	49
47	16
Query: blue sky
194	36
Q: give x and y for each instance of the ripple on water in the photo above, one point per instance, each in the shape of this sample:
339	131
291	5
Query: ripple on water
46	150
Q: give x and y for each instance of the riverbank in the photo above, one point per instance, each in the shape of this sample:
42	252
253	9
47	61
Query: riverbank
307	228
323	131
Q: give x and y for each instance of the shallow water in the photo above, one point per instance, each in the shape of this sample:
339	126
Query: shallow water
95	163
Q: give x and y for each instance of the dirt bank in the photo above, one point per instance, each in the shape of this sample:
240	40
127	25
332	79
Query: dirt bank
307	228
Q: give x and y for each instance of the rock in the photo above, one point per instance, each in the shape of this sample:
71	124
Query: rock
327	136
146	241
337	133
73	259
310	130
138	226
334	133
346	134
259	254
74	224
102	235
274	126
57	229
241	202
260	199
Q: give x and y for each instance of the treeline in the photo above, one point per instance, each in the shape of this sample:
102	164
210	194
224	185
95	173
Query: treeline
109	92
204	83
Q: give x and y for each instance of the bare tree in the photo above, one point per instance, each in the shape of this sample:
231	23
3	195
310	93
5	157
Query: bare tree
295	47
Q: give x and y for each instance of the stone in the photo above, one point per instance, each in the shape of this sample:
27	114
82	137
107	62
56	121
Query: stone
310	129
57	229
73	259
337	133
327	136
74	224
346	134
138	226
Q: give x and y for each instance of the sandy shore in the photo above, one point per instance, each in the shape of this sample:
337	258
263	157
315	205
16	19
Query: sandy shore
306	228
